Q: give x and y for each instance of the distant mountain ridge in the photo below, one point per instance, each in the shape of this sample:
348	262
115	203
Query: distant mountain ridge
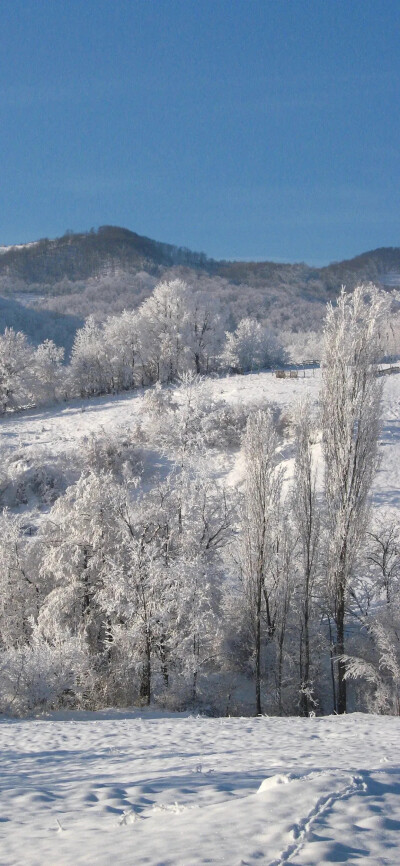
106	271
82	256
89	254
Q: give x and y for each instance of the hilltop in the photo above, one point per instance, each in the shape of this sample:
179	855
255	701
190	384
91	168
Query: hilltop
111	269
81	256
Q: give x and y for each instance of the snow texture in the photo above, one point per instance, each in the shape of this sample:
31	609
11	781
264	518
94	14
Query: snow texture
163	790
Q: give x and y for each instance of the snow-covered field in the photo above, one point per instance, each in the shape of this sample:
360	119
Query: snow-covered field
131	788
64	427
62	431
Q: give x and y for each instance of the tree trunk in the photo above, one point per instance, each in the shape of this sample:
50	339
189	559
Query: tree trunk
305	706
280	672
196	651
340	612
86	586
257	672
145	684
108	639
332	659
163	660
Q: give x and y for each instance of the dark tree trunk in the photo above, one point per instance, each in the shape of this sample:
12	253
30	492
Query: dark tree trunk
86	586
196	650
164	661
257	673
145	684
108	639
340	613
280	671
332	655
305	705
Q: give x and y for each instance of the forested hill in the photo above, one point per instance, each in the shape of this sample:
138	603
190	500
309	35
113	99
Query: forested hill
106	271
79	257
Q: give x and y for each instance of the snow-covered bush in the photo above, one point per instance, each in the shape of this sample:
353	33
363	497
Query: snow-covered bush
33	479
44	675
224	423
117	453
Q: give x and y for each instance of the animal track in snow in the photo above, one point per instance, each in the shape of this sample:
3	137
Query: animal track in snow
301	829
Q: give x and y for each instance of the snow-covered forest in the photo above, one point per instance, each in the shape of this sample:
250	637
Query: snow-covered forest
175	331
178	546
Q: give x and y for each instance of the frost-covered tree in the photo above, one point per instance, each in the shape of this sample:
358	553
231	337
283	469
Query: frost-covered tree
204	520
159	591
260	519
90	372
205	332
351	405
49	372
375	660
121	346
302	346
280	586
16	370
378	665
383	555
163	322
179	330
76	540
19	590
307	521
133	596
251	347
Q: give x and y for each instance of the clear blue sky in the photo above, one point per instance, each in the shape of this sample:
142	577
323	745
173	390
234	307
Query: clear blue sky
243	128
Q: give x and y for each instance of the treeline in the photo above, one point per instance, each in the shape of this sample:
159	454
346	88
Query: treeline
174	331
267	598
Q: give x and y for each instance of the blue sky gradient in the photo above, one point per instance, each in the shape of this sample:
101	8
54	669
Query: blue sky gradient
266	129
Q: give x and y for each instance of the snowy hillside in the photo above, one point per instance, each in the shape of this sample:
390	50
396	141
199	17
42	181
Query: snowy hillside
60	434
164	790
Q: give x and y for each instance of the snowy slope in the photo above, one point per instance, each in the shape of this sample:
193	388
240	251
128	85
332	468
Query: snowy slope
65	426
131	788
5	249
62	431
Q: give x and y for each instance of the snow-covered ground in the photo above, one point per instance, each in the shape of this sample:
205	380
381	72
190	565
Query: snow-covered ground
5	249
64	427
143	788
61	431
